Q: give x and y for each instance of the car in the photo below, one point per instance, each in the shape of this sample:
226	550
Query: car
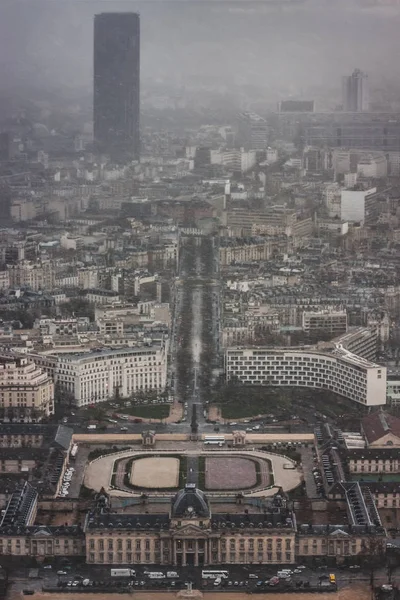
47	567
302	567
61	572
253	576
69	584
297	571
355	567
123	429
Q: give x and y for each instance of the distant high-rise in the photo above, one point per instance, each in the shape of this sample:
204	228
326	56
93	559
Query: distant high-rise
252	132
355	92
116	102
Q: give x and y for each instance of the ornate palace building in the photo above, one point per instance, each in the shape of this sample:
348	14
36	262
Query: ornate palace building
190	534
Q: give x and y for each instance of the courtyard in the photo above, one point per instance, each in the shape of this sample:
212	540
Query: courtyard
251	472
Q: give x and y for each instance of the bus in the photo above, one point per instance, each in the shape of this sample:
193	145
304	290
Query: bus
215	574
214	440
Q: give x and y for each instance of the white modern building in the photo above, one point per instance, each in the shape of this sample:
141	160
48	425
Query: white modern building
335	369
372	166
93	377
357	205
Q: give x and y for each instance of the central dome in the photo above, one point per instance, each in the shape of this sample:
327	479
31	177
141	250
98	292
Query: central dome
190	502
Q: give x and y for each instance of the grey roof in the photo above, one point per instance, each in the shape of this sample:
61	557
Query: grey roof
43	531
63	437
190	502
107	521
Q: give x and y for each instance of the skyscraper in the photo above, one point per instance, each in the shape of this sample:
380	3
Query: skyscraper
116	102
252	131
355	92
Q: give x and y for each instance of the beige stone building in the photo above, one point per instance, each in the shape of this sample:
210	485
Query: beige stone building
37	276
190	534
26	392
380	460
339	541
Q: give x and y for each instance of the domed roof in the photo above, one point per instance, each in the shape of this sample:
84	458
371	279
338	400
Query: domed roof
190	502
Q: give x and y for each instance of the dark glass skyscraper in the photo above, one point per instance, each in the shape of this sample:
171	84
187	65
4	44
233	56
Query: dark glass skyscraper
116	102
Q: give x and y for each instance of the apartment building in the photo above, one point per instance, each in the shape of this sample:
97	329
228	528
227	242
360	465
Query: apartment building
26	391
96	376
333	323
4	280
244	250
393	386
252	131
101	296
278	218
36	276
333	369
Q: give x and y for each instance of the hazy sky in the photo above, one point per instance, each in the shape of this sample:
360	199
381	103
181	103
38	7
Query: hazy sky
278	45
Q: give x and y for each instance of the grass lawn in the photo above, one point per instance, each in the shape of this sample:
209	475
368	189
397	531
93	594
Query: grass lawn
146	411
238	401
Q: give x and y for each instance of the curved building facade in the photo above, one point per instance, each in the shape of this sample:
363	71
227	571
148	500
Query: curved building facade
335	369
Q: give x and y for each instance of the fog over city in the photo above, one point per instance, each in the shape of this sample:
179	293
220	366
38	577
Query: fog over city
199	299
283	47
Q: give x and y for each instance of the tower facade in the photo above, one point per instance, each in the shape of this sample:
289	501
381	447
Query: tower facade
116	101
355	92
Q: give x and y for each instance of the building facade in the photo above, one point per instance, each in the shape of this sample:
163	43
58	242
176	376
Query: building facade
355	96
190	535
252	131
336	370
97	376
117	83
26	391
334	323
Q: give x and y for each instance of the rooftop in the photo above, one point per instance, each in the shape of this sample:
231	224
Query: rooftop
379	424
